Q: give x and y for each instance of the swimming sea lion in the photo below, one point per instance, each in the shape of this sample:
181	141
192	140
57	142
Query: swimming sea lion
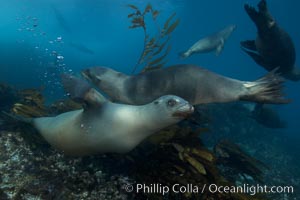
267	117
103	126
273	46
190	82
214	42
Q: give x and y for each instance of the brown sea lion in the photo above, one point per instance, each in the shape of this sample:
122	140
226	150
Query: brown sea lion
273	47
214	42
195	84
106	127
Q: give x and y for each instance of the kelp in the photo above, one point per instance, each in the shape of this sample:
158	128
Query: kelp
173	158
174	155
177	156
31	103
171	28
28	110
65	105
230	154
156	47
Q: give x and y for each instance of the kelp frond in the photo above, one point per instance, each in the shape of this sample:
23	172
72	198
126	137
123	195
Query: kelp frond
156	47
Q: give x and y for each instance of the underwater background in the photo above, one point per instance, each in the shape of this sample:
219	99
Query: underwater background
39	40
102	28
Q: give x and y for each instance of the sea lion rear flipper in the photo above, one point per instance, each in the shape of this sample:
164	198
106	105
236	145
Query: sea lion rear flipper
220	47
80	91
267	89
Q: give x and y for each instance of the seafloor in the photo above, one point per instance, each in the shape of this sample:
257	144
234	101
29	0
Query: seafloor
31	169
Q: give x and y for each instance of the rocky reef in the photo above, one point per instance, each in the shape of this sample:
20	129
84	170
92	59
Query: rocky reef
31	169
36	171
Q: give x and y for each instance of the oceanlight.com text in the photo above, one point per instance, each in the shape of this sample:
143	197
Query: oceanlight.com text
158	188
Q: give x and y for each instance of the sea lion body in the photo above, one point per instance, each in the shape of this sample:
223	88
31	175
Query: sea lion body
273	47
195	84
108	127
183	81
214	42
81	133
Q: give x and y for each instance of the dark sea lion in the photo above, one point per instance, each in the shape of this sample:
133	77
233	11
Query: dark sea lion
267	117
195	84
103	126
214	42
82	48
273	46
61	19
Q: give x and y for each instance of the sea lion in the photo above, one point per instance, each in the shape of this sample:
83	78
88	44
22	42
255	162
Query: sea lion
190	82
214	42
103	126
82	48
267	117
273	46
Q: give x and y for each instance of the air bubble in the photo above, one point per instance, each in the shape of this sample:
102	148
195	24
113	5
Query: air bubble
60	57
59	39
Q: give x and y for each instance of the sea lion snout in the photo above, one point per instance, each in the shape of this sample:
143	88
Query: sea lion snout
184	111
86	74
93	72
232	27
177	106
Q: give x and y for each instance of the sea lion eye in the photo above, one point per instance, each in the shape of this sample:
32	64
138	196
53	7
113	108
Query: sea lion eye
155	102
172	102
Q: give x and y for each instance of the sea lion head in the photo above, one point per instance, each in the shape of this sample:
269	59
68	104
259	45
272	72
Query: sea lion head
175	107
107	80
268	21
228	31
231	28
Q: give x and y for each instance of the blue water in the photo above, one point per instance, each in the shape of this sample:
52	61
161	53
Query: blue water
33	33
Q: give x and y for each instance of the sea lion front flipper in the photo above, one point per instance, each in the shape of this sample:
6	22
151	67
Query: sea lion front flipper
257	58
220	47
262	6
80	91
249	44
253	14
